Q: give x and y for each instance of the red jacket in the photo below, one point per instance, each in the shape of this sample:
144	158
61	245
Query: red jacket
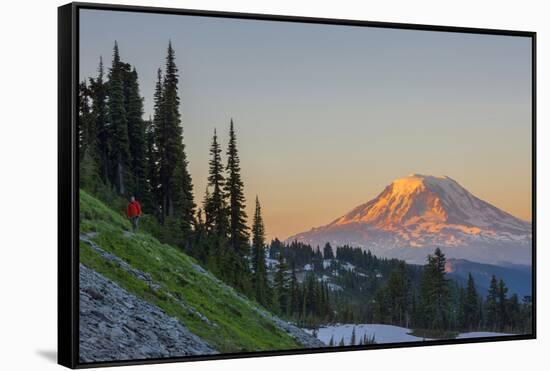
134	209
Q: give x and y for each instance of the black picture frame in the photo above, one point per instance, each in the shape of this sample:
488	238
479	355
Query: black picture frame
68	172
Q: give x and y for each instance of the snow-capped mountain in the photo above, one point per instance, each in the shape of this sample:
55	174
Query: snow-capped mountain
415	214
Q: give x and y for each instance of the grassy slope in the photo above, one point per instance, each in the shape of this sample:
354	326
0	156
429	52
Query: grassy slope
234	325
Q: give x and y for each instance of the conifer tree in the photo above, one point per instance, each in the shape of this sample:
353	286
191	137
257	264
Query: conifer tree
502	305
88	172
435	292
197	249
527	313
215	205
98	95
514	312
294	290
471	305
331	341
460	314
87	142
234	188
119	149
280	286
353	337
150	204
491	305
175	185
327	252
184	204
341	343
327	309
137	138
155	140
205	201
259	276
398	294
86	134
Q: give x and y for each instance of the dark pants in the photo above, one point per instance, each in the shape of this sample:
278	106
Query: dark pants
134	220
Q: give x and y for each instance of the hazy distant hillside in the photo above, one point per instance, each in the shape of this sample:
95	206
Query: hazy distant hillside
517	277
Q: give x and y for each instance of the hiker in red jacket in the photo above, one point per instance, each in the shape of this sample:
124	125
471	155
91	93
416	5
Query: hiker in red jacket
134	212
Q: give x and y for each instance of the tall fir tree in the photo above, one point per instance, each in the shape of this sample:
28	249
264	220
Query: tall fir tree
89	178
215	205
259	275
327	251
514	312
491	305
280	286
502	305
86	132
435	293
150	203
184	204
175	185
398	294
119	149
87	167
100	118
156	140
237	256
471	305
294	291
137	138
234	188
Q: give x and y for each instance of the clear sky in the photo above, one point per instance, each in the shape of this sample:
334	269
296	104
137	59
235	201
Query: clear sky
327	116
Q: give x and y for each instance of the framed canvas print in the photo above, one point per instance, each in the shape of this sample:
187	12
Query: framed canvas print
237	185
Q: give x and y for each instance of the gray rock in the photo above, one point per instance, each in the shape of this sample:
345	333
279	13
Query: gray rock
121	326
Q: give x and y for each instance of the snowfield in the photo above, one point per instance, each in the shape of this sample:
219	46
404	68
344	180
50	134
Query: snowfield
383	334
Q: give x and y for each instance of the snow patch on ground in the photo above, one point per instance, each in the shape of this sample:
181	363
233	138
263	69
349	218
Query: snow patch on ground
348	266
334	287
271	263
382	333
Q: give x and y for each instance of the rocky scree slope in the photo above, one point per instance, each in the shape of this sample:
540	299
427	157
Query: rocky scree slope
117	325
